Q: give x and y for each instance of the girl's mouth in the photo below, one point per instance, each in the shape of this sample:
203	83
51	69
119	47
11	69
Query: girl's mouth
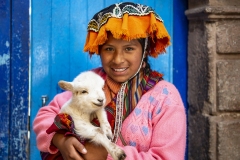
119	69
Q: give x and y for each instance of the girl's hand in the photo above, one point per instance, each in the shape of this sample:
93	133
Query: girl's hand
95	152
69	147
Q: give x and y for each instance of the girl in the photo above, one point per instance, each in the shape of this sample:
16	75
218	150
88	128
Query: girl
145	112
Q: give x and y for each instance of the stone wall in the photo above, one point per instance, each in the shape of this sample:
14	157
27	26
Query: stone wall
214	79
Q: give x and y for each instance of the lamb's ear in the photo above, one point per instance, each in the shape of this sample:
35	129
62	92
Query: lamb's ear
65	85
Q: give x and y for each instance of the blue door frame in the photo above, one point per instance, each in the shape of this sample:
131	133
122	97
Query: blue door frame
14	88
14	67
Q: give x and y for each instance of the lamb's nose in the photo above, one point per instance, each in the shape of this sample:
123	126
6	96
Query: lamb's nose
100	100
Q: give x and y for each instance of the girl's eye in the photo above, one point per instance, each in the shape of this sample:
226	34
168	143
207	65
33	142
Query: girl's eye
129	49
109	49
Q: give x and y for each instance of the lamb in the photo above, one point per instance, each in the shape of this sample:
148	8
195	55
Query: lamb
88	101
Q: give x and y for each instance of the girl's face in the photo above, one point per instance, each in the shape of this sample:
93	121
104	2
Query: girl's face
120	59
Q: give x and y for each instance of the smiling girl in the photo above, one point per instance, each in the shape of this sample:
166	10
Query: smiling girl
145	112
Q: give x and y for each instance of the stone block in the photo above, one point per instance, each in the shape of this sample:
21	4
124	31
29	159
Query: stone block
228	37
198	137
225	2
229	139
195	4
228	85
198	66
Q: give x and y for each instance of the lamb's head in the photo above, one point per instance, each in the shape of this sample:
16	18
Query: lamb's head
87	91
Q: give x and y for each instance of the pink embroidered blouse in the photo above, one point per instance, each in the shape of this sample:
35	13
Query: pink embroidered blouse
155	129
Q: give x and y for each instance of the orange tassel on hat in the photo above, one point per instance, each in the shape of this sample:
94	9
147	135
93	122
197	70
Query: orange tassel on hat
127	21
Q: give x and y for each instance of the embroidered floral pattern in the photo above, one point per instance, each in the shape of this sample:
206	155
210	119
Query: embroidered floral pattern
117	11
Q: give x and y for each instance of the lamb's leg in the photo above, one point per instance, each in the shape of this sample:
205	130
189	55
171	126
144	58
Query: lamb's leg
96	135
104	124
116	152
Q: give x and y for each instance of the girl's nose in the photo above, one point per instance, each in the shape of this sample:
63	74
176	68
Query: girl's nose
118	57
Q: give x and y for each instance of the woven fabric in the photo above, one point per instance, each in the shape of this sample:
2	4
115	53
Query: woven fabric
48	156
121	20
63	123
134	90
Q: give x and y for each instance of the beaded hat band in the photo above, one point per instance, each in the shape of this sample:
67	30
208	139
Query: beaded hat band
127	21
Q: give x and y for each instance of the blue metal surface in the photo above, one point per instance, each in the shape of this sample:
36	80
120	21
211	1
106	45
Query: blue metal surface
180	48
58	36
40	56
180	30
164	62
19	80
5	77
14	68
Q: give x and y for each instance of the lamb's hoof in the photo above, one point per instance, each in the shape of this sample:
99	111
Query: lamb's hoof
119	155
122	156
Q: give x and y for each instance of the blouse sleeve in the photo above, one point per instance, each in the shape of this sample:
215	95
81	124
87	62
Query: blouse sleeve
45	118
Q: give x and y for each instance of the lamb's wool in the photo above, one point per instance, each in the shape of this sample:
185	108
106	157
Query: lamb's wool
87	101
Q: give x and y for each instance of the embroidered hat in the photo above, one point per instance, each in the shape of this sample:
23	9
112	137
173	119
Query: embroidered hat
127	21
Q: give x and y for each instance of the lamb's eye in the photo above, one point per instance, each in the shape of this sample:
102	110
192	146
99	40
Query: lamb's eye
84	92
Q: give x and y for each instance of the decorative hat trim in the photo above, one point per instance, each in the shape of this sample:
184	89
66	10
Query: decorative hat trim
102	17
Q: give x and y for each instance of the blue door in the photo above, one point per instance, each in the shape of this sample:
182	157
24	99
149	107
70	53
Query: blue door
58	31
14	65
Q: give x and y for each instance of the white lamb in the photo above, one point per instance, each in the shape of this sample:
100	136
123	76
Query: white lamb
88	101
